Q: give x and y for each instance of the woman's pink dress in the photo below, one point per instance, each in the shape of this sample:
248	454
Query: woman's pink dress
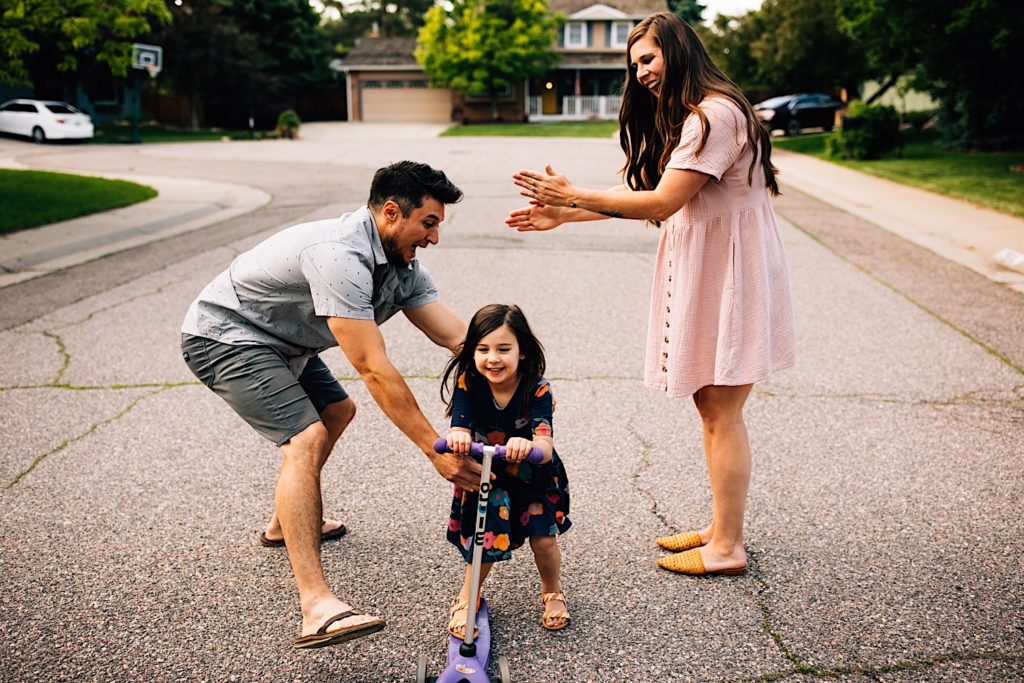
721	311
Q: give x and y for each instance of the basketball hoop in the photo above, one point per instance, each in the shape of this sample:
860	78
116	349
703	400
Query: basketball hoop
148	58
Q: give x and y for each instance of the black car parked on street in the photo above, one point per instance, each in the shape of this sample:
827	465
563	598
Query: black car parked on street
793	113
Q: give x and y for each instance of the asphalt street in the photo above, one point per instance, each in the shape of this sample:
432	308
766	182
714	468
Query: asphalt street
884	515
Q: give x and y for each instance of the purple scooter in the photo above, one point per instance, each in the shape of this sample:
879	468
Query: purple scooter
467	658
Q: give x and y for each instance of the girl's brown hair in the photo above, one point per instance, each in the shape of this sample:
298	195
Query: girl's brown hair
487	320
650	126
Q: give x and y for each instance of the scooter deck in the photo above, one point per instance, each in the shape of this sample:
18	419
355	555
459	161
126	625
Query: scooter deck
462	669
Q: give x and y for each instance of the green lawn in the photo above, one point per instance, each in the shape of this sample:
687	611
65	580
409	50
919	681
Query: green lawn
122	132
546	129
980	177
31	198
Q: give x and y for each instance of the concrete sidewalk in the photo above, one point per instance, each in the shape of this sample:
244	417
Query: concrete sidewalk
957	230
181	206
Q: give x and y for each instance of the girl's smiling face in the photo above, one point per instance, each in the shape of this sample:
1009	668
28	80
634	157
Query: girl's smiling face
497	357
648	62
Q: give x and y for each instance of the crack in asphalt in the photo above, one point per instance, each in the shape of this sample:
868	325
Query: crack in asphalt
874	672
67	442
800	667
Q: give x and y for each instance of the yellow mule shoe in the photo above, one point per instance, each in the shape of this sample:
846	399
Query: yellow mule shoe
677	543
692	564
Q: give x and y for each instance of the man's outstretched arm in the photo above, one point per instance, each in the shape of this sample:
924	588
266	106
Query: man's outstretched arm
363	344
439	323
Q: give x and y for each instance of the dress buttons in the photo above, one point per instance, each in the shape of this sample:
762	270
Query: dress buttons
666	340
666	323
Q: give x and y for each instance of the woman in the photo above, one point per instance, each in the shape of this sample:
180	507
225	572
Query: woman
699	163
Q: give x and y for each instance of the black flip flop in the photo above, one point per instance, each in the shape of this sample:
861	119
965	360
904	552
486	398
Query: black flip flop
323	638
326	536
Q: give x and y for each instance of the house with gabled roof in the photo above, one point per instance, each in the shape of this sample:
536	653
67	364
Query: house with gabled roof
592	43
385	82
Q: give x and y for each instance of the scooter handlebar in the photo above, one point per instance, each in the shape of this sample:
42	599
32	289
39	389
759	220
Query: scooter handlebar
535	455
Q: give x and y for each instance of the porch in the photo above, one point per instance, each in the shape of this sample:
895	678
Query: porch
574	108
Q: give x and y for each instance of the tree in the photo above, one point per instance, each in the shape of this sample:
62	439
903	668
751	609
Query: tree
481	47
787	46
690	11
39	38
357	19
965	53
244	58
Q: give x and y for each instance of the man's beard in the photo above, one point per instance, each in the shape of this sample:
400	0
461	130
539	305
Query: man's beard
392	251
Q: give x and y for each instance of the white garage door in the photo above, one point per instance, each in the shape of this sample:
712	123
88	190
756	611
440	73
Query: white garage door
405	101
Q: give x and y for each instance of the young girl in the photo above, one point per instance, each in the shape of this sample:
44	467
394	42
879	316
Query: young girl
499	397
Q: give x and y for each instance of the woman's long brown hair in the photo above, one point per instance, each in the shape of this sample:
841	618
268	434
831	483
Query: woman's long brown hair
650	126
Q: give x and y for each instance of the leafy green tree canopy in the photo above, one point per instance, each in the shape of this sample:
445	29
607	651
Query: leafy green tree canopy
38	35
357	19
690	11
965	53
787	46
244	57
481	47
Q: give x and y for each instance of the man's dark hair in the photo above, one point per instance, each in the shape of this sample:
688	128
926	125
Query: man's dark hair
406	183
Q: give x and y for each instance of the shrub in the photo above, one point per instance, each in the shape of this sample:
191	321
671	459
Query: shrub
288	124
868	132
918	119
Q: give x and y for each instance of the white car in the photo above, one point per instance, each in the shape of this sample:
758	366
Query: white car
44	120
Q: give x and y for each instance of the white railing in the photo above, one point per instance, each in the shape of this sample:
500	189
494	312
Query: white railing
590	107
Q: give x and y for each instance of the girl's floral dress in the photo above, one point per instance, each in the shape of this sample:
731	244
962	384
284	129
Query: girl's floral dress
526	499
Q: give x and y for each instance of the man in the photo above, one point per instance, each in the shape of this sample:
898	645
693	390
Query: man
253	335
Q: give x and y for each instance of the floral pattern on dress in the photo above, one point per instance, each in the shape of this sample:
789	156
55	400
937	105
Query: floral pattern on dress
526	499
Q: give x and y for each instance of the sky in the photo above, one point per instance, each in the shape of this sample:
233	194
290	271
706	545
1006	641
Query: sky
733	7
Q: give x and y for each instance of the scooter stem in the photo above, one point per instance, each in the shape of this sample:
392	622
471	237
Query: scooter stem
478	546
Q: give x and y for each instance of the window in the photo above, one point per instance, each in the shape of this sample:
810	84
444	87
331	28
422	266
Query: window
620	33
61	109
576	34
372	84
8	107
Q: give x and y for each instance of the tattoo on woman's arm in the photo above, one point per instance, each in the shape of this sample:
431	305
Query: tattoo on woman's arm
611	214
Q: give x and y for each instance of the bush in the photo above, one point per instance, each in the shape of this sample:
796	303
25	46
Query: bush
288	124
918	119
868	132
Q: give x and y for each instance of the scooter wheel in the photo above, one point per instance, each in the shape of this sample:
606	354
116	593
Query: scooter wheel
503	670
421	669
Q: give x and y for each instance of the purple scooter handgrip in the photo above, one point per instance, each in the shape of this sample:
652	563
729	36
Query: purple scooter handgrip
535	455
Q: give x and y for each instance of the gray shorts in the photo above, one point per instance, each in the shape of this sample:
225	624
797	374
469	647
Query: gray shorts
259	385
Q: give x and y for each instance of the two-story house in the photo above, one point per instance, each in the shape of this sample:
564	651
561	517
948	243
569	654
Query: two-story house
592	43
385	83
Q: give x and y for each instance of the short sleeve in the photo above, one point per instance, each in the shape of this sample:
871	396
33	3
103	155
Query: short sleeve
725	143
423	290
541	409
340	280
462	405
